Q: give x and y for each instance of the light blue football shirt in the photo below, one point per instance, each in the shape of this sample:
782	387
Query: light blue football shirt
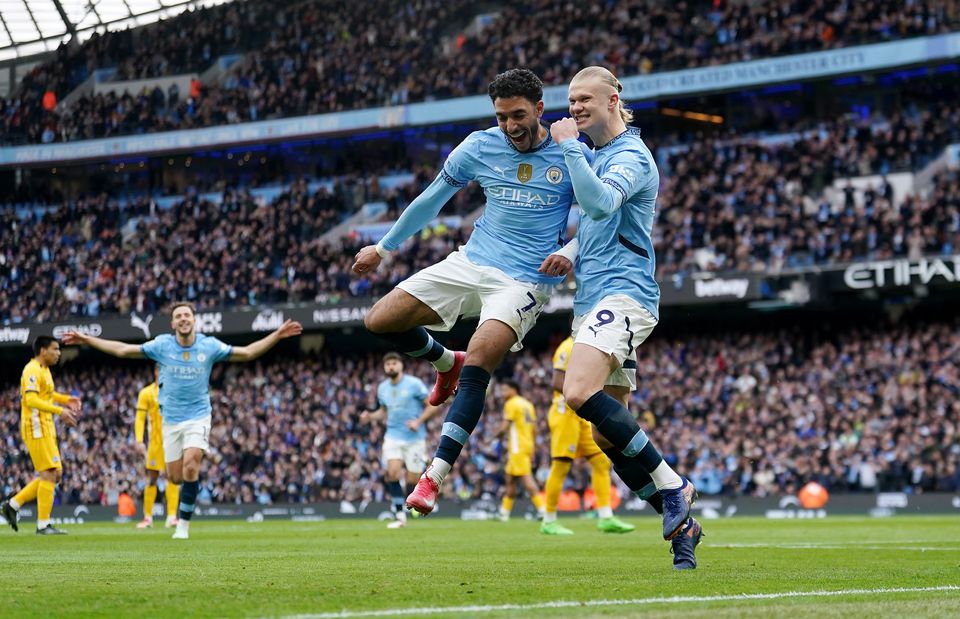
185	374
528	199
404	402
618	196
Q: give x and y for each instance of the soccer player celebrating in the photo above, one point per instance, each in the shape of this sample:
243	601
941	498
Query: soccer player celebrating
39	402
520	421
571	437
401	399
185	358
617	301
494	276
148	416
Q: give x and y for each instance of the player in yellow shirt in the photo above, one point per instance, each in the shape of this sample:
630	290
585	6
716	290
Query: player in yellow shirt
148	417
39	402
572	437
519	423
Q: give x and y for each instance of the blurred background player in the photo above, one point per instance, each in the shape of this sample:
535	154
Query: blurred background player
571	437
614	314
494	276
185	358
39	402
401	398
519	425
148	416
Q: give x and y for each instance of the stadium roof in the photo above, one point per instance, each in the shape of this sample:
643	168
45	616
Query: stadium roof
29	27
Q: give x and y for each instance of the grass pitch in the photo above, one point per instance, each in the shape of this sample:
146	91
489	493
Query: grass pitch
837	567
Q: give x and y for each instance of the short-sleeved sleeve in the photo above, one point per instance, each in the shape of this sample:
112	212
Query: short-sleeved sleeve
153	349
510	410
458	168
143	399
219	351
420	390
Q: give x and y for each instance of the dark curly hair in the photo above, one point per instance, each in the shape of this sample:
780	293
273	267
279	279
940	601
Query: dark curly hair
516	83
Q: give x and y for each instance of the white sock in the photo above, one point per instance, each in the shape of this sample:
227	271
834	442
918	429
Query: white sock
14	504
438	470
43	524
445	362
549	516
665	477
604	512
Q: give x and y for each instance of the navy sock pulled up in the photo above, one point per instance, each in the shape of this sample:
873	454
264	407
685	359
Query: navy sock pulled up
618	426
188	498
464	413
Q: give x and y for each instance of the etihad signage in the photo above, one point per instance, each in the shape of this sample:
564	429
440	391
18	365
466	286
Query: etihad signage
899	273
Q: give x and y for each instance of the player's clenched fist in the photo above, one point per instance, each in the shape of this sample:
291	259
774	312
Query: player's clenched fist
564	129
367	260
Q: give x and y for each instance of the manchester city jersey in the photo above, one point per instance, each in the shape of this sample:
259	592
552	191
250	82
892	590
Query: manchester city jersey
403	402
528	198
185	374
528	201
616	251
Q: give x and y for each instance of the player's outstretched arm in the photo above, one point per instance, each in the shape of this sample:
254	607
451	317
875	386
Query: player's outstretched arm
111	347
418	214
250	352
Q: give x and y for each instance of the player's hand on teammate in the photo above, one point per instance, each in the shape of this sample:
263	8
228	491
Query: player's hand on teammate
564	129
71	338
289	328
367	260
413	425
556	265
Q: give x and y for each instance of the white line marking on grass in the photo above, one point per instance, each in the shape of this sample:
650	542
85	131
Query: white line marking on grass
836	547
436	610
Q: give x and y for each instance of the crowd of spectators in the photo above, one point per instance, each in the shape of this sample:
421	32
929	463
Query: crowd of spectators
318	56
742	413
730	204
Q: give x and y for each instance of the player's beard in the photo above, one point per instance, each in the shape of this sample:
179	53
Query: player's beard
392	375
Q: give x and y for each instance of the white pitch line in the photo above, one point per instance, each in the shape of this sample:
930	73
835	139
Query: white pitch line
436	610
836	547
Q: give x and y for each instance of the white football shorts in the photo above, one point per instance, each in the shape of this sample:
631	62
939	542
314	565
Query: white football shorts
616	325
455	287
180	436
413	453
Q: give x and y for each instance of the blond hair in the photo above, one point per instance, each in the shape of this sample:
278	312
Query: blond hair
608	78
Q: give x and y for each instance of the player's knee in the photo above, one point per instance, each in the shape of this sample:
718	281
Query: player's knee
372	320
575	396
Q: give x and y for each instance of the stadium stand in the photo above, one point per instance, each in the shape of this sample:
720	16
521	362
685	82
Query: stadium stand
747	413
322	56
